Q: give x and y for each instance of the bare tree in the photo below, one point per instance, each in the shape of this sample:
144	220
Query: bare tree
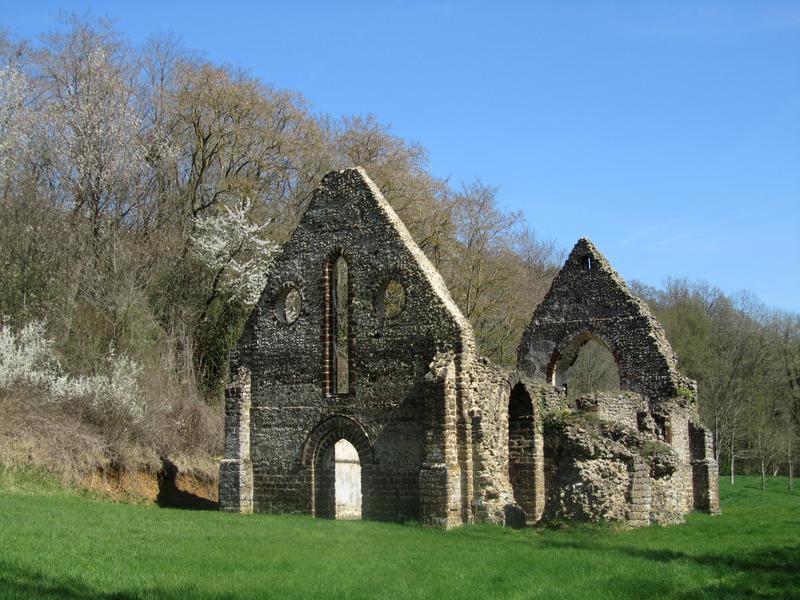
92	130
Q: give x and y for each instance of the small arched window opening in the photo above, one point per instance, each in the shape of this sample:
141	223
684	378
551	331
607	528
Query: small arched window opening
337	327
587	365
587	263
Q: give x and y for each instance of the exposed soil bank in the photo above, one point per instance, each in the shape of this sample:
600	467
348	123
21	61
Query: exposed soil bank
169	487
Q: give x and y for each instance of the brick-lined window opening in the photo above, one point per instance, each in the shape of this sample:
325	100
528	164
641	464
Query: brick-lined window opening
336	334
521	450
664	427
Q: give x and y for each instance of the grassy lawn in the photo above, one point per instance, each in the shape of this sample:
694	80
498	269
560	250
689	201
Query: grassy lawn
55	544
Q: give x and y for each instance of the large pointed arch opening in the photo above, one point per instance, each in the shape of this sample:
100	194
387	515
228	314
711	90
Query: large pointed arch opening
585	364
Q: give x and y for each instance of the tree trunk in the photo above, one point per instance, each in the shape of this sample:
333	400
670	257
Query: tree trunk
733	476
763	475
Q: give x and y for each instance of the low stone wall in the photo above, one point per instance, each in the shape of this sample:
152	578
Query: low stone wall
617	407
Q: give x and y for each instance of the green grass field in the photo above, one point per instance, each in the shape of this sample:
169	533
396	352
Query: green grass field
56	544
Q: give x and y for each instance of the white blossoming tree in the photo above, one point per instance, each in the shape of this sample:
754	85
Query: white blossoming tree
28	359
236	250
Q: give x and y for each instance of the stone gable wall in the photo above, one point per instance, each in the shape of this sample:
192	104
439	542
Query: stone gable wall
389	358
601	472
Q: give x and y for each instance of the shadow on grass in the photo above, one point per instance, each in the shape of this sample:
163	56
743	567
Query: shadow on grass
760	573
17	582
170	496
772	488
20	582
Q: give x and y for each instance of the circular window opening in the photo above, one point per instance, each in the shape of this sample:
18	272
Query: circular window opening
391	299
287	307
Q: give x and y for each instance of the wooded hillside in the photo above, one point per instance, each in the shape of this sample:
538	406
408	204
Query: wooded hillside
144	194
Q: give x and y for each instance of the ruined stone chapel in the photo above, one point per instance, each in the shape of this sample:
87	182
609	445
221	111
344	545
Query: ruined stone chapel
356	390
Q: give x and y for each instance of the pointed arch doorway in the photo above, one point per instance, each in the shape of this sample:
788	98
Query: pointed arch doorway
340	456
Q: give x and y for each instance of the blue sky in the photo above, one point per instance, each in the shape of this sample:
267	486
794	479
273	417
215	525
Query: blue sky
667	132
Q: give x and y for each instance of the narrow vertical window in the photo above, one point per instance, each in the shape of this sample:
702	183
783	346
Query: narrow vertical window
342	328
337	326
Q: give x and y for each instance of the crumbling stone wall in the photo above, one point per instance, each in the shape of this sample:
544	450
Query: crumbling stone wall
605	472
705	474
487	420
442	434
623	407
601	470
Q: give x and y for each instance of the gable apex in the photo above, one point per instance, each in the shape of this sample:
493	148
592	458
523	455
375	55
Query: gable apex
354	184
583	250
589	298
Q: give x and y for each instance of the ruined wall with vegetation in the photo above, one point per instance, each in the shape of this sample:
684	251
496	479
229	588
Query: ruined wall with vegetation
639	454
